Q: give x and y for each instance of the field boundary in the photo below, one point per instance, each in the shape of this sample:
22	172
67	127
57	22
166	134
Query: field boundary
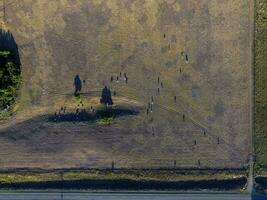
125	179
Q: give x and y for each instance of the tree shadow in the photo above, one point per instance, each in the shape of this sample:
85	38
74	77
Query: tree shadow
259	190
127	184
256	196
8	43
92	116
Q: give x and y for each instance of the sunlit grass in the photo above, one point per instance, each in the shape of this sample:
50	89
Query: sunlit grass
105	121
136	175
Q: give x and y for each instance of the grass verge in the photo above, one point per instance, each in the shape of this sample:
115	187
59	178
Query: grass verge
125	179
261	87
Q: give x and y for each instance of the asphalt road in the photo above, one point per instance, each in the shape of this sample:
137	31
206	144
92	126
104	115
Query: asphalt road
116	196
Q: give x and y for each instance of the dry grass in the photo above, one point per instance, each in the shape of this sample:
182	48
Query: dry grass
146	40
137	175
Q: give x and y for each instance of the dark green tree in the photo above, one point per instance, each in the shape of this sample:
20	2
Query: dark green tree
9	78
106	98
78	85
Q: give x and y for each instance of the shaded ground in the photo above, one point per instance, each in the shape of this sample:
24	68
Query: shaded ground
187	62
85	116
234	184
122	196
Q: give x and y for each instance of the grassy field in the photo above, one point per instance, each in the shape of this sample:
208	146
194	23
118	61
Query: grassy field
192	57
260	87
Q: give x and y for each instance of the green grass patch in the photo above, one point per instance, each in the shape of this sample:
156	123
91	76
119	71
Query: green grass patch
105	121
77	97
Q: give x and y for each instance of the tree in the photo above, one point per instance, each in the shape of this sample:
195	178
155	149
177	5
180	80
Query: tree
106	98
9	78
77	85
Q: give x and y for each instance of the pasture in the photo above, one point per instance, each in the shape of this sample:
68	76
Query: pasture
184	65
